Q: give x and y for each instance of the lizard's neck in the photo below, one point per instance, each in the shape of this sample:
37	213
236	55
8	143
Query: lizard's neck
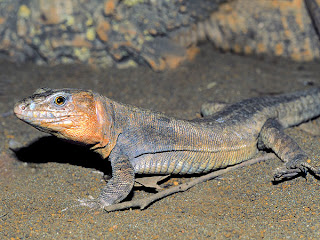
107	124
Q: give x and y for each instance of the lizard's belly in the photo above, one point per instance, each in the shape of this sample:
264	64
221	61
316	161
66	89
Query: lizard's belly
189	162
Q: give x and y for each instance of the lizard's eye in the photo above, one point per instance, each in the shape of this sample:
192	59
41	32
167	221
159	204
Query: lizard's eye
60	100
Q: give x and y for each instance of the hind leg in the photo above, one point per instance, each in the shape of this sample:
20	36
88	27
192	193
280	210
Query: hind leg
295	159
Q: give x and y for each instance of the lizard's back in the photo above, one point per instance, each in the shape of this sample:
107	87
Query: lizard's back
290	109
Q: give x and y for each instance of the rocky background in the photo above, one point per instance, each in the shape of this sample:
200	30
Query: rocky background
159	33
97	32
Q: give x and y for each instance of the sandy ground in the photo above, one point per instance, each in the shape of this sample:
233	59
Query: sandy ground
48	175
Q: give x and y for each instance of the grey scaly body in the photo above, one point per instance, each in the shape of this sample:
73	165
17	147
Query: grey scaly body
141	141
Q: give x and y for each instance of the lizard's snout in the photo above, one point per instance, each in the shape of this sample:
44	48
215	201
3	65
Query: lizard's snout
23	107
23	110
19	108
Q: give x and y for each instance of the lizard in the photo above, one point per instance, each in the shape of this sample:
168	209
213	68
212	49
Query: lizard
139	141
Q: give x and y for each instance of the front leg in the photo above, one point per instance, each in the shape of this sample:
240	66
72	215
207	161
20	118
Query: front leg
118	187
121	183
295	159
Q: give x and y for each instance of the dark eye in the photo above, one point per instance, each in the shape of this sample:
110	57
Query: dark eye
60	100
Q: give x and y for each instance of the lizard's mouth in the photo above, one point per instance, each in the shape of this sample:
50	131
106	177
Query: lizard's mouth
39	117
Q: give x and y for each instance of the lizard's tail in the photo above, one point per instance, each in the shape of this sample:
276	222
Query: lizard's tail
299	107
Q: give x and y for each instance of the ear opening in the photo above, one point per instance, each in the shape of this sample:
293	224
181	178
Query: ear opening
104	120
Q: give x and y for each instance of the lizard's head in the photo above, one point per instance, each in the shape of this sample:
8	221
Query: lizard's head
67	113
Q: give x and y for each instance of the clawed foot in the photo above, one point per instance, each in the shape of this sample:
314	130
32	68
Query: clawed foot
92	203
299	168
284	173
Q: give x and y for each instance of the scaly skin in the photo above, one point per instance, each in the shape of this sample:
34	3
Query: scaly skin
139	141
